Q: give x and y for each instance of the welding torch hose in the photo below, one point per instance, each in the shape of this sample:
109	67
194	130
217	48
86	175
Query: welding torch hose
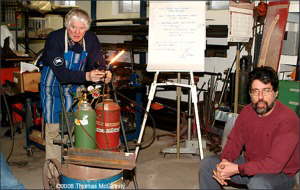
108	68
151	117
12	127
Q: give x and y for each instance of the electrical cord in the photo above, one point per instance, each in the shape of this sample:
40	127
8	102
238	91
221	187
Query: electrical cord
12	128
65	115
151	117
107	68
135	182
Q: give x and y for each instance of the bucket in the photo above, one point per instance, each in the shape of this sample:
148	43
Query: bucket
83	177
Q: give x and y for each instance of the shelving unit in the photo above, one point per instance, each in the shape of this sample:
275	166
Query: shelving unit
29	13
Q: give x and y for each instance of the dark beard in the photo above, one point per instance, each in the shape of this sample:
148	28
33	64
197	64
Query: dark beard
265	110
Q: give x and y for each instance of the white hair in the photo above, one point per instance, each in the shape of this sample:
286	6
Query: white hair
78	15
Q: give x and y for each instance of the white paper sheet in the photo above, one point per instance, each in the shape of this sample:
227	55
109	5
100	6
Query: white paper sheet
241	24
177	34
27	67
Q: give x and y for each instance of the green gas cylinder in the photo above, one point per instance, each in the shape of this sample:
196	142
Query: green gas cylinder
85	125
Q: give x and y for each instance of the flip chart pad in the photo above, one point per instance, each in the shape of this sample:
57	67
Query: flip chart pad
177	34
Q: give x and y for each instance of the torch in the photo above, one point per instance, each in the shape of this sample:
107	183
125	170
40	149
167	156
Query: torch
116	58
112	61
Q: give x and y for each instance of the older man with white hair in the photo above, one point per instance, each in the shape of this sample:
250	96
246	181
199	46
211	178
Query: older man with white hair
72	56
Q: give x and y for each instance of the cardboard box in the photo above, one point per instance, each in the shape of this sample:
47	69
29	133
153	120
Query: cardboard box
28	81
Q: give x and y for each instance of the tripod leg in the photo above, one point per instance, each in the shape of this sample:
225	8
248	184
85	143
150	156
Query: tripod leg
194	99
150	98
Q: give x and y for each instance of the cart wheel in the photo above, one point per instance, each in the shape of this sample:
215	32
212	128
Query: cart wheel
51	174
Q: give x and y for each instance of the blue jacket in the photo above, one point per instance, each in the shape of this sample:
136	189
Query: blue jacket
54	48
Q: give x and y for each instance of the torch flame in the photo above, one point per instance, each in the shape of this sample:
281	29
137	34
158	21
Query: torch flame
117	56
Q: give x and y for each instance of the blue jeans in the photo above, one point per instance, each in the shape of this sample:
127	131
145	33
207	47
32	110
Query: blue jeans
7	179
259	181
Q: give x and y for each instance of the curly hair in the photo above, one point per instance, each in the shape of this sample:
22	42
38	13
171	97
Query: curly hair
264	74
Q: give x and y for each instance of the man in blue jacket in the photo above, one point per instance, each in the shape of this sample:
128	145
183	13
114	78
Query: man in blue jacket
72	56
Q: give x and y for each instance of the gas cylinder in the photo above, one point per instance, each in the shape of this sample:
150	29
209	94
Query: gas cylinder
245	64
108	125
85	125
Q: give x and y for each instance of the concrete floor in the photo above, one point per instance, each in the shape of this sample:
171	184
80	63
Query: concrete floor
153	170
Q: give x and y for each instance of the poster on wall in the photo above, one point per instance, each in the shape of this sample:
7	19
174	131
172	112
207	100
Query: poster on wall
177	36
241	24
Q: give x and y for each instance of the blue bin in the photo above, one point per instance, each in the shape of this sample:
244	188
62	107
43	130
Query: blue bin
84	177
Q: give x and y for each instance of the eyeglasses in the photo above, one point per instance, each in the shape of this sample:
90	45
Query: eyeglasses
265	92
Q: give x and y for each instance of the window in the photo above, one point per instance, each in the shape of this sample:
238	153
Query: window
131	6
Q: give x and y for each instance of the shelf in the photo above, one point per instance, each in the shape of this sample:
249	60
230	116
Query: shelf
35	13
133	20
27	13
121	30
18	59
22	39
137	47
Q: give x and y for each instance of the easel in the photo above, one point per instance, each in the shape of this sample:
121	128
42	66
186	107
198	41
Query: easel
193	93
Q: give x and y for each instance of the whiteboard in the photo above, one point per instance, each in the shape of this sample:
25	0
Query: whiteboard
177	34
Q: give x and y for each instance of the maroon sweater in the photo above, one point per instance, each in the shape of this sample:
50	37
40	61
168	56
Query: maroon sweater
271	143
